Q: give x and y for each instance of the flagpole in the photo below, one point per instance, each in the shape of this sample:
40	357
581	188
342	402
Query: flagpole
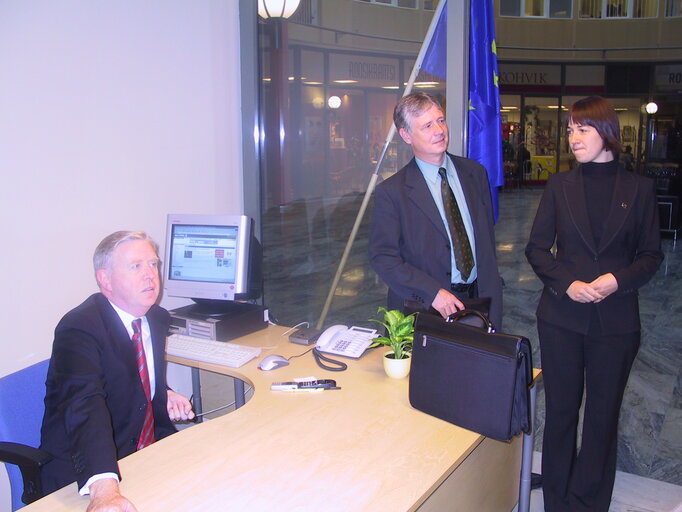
375	175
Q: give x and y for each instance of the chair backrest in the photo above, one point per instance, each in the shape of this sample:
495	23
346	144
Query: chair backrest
21	413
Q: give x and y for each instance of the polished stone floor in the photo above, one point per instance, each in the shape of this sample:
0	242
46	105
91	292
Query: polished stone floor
304	243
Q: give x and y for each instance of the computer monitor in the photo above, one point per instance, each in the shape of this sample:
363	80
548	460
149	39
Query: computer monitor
211	259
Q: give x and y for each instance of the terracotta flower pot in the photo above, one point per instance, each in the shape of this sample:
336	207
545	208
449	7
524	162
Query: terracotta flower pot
396	368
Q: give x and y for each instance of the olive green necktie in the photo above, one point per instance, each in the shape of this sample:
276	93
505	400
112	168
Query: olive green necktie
464	259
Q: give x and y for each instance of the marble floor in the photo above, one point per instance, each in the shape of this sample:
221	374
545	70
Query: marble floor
304	242
631	493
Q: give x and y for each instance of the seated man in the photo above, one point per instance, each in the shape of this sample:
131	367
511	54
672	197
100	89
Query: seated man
106	385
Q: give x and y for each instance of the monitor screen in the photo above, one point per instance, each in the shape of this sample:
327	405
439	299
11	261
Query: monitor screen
207	256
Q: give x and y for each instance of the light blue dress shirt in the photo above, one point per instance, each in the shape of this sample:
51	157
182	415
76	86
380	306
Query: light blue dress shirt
430	173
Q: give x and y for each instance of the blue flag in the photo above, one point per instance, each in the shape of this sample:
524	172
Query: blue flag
435	58
485	121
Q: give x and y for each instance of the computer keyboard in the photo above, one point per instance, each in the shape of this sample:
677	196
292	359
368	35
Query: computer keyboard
210	351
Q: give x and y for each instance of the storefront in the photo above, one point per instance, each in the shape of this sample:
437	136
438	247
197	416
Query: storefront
535	97
341	112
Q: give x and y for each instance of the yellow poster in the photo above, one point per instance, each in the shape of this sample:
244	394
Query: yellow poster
542	167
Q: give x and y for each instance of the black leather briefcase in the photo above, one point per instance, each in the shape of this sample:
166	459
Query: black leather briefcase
476	379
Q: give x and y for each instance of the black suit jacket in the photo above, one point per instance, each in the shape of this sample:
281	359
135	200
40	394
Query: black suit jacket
409	246
95	404
629	249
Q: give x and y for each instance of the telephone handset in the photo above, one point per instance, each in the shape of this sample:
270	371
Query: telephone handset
344	341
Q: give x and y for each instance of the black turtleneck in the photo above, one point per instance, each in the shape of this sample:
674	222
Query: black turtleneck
599	180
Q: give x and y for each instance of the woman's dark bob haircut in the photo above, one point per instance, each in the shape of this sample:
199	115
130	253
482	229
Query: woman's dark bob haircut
598	113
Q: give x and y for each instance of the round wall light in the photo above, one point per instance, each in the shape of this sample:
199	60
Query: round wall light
334	102
651	108
277	8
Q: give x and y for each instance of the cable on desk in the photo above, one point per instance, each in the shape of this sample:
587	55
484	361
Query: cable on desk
307	324
301	354
336	365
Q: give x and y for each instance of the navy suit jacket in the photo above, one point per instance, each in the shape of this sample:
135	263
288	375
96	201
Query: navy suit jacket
629	249
409	246
95	403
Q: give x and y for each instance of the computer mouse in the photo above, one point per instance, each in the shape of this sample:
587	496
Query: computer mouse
272	362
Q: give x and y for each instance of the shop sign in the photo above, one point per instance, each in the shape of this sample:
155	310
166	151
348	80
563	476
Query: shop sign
530	77
585	79
669	77
362	70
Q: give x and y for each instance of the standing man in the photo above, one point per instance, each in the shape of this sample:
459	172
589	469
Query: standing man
432	236
106	385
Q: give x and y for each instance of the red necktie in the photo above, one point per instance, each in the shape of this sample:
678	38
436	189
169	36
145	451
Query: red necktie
147	434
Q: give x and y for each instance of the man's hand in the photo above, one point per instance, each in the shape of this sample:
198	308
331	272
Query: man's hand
605	284
179	407
446	303
106	497
580	291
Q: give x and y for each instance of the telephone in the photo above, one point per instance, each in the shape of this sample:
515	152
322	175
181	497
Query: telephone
344	341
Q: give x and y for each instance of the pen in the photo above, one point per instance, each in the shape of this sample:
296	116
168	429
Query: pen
305	390
308	390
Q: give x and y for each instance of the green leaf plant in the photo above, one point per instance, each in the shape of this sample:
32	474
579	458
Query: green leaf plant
400	332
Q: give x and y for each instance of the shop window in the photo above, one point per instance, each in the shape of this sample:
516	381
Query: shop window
618	8
536	8
632	138
673	9
541	119
590	8
516	158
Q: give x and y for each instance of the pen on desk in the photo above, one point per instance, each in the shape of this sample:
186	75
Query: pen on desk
304	390
307	390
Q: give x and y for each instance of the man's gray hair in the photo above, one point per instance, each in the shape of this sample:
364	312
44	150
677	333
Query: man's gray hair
102	257
413	105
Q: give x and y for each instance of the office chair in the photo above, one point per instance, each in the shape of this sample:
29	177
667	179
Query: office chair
21	414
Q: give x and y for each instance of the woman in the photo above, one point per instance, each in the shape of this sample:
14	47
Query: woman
604	221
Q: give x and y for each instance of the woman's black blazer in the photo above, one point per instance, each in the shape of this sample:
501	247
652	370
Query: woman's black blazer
629	249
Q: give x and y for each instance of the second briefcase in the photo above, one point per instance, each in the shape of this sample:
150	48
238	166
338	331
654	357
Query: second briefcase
475	379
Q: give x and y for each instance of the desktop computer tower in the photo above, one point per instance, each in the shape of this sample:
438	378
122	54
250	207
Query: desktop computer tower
235	319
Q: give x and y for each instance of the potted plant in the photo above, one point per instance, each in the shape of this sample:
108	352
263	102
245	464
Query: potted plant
399	337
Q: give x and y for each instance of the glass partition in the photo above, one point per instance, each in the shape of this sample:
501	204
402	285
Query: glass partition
327	100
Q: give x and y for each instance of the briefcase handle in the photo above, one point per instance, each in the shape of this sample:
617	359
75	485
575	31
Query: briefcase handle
473	318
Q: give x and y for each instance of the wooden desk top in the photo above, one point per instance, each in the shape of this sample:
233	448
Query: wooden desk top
359	448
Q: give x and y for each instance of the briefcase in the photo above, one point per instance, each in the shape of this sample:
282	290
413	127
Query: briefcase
476	379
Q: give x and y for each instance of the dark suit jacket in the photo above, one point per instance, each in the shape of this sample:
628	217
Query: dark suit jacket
95	404
629	248
409	246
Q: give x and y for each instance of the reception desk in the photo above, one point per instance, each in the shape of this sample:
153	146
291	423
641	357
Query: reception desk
360	448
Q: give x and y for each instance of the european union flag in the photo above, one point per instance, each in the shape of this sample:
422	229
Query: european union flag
485	121
435	58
